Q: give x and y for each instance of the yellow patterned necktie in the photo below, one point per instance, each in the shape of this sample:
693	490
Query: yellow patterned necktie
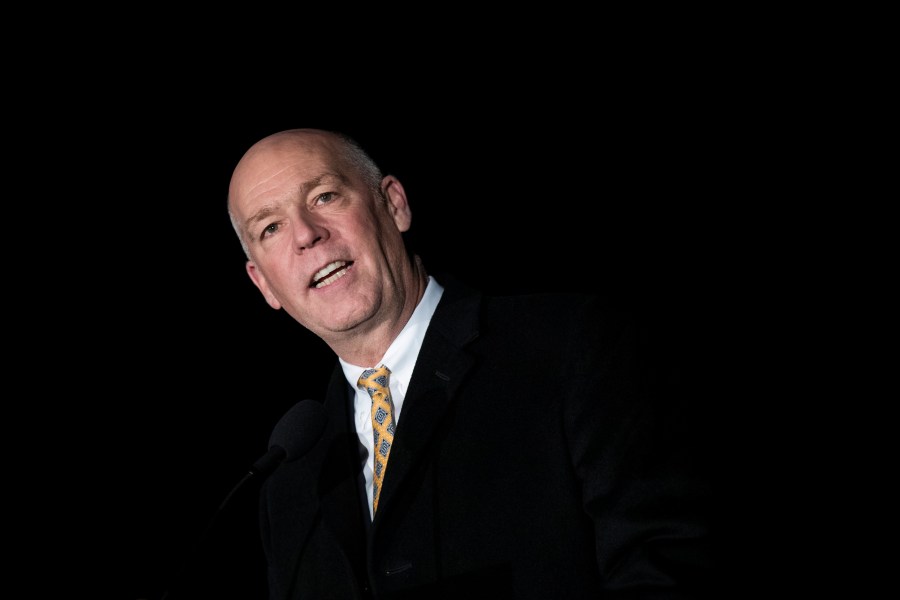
376	383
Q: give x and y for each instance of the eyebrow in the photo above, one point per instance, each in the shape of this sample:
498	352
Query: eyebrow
268	209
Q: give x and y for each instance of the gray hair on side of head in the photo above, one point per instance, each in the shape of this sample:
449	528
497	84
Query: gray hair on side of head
237	230
351	153
364	164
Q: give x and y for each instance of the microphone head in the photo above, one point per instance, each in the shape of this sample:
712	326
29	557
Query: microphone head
299	429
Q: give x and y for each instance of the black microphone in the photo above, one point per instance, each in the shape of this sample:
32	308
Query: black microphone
293	436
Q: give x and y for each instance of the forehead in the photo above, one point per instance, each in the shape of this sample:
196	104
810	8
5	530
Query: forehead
276	166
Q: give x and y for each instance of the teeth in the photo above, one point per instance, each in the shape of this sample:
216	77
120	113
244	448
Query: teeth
330	280
334	271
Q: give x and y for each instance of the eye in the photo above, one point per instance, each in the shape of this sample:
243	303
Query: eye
324	198
269	230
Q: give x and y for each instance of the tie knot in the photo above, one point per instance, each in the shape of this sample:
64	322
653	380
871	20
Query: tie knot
375	380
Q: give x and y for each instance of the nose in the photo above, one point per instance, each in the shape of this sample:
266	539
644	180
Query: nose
307	232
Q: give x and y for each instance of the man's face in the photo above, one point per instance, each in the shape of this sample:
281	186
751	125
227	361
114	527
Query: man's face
323	245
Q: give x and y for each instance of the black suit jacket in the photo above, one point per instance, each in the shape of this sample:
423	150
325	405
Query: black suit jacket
533	459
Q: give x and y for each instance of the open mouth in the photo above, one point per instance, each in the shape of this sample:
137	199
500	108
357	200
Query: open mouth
330	273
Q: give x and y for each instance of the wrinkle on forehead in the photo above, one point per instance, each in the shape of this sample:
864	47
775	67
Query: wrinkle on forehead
273	155
302	189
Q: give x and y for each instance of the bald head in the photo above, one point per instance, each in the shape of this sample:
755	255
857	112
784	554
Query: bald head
273	154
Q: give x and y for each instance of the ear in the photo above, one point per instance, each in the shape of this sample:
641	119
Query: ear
397	203
259	280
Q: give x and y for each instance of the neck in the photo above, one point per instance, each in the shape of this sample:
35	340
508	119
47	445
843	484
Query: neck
367	348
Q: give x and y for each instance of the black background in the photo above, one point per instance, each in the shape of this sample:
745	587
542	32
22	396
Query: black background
183	368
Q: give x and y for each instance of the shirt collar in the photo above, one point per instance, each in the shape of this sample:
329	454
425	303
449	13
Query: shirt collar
401	355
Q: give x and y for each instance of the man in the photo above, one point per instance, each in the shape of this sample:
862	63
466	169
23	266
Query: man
513	447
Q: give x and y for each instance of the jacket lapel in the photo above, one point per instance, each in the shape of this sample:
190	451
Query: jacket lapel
440	369
339	474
